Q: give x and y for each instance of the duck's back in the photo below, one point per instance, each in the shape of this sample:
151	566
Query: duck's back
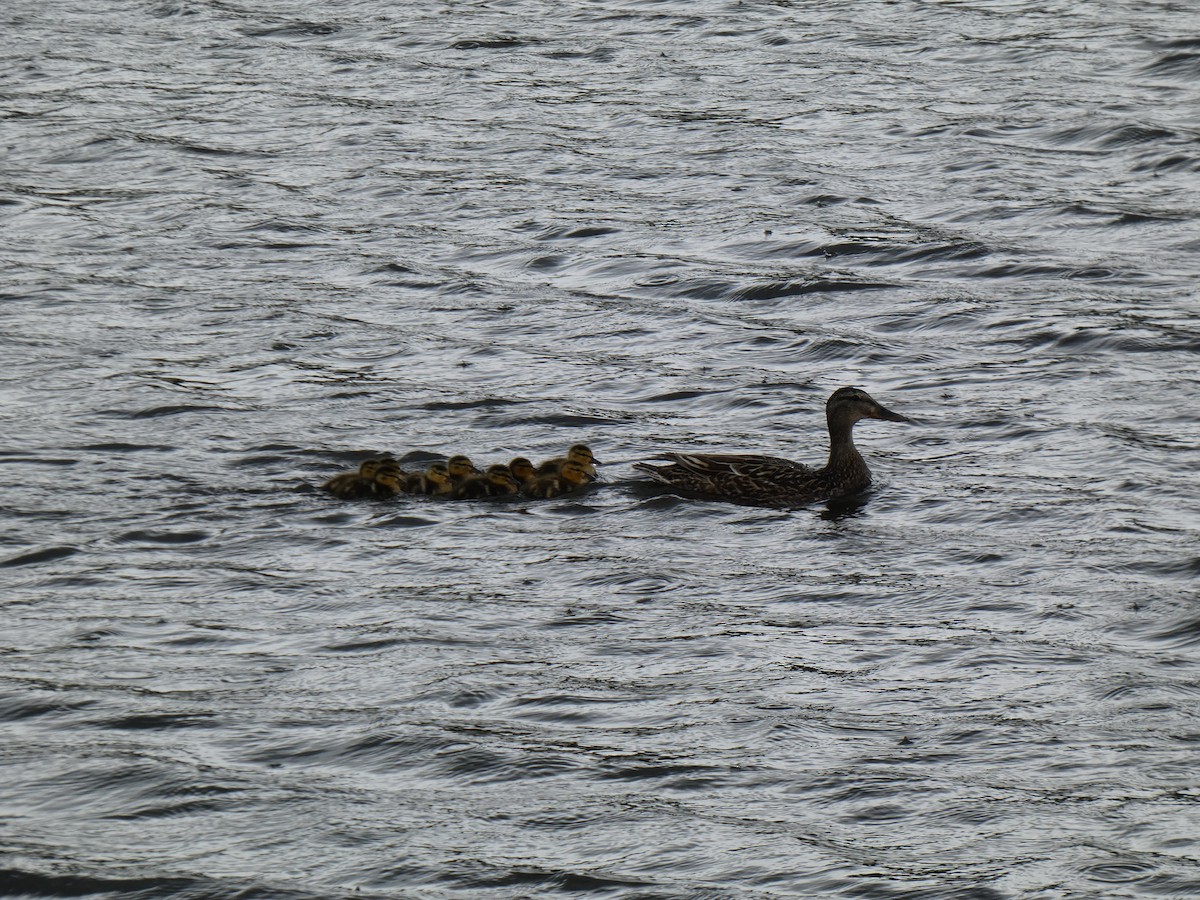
738	464
741	478
545	487
350	486
476	488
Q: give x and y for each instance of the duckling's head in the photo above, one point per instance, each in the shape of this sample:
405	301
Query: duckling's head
500	476
522	469
574	472
582	453
849	404
438	474
460	467
369	467
391	478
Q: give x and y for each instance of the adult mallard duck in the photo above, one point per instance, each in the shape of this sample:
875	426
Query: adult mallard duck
497	481
771	481
375	479
579	453
571	476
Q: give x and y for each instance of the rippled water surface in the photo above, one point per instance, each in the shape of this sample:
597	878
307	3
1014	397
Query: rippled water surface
247	245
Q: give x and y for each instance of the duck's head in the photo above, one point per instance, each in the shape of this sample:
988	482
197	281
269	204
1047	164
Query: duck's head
849	404
522	469
369	467
574	472
390	477
582	453
438	474
501	477
460	467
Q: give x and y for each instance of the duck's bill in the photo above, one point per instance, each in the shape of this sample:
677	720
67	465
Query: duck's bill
889	416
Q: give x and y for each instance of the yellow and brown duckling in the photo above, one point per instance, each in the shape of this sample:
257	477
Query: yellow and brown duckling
375	479
461	468
433	482
571	476
522	470
351	485
771	481
579	453
389	480
497	481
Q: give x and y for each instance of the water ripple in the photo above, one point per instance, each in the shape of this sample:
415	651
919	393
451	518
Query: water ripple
319	236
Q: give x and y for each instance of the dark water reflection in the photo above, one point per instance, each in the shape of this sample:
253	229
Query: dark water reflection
248	246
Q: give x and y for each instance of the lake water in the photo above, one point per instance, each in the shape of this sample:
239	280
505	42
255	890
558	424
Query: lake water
247	245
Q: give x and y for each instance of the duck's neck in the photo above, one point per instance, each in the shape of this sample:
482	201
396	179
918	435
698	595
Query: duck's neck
846	469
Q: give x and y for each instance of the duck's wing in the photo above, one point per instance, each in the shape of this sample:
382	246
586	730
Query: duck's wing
740	478
474	488
544	487
738	465
349	486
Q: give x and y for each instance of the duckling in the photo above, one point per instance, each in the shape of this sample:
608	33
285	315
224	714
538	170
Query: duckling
434	481
349	485
461	468
570	477
389	481
496	482
362	484
522	470
579	453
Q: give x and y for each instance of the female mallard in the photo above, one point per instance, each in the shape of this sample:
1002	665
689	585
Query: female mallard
579	453
571	476
496	482
771	481
375	478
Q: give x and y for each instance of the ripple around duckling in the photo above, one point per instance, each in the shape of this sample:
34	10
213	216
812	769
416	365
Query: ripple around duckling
483	403
36	557
156	722
143	536
788	289
158	412
38	884
16	709
1183	64
1183	631
122	447
406	521
364	646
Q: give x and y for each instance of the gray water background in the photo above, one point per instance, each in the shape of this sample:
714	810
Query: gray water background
245	245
